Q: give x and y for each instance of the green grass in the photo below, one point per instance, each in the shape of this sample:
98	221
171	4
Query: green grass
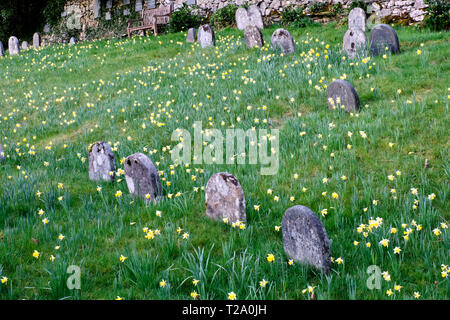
56	101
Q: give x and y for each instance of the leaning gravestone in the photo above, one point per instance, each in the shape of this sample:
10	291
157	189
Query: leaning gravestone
357	19
354	42
13	46
383	36
142	177
36	40
191	35
101	162
2	50
255	17
225	198
206	36
242	20
305	239
341	95
24	45
282	39
72	41
253	37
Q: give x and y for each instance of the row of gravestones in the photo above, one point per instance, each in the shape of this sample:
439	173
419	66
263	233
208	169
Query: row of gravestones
304	237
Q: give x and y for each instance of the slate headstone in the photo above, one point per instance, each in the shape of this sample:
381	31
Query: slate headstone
255	17
206	36
253	37
382	36
357	19
354	42
225	198
192	32
24	45
142	177
2	50
36	40
242	20
342	95
101	162
72	41
282	39
305	239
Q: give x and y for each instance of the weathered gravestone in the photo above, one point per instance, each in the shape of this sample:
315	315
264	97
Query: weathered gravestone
126	12
101	162
108	4
192	32
383	36
225	198
282	39
72	41
242	20
253	37
108	16
13	46
305	239
142	177
36	40
255	17
24	45
2	50
341	95
354	42
138	6
206	36
47	28
357	19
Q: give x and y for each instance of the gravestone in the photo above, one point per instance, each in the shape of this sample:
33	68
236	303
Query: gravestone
24	45
151	4
2	153
126	12
13	46
125	2
138	6
109	4
354	42
357	19
282	39
242	20
382	36
192	32
206	36
36	40
142	177
305	239
97	7
101	162
225	198
47	28
191	2
253	37
2	50
342	95
108	16
255	17
72	41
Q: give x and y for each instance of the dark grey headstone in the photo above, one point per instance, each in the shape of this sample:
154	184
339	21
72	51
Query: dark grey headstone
36	40
138	6
382	36
282	39
206	36
101	162
242	20
354	42
253	37
2	50
72	41
357	19
225	198
305	239
142	177
255	17
97	8
342	95
192	32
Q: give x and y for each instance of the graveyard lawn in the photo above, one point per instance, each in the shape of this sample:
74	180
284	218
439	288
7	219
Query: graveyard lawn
378	179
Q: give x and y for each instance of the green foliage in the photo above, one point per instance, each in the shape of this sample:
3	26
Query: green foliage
294	17
224	17
52	11
358	4
336	9
438	15
183	19
318	7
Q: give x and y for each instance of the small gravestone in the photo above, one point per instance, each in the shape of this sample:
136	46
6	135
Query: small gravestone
206	36
305	239
125	2
253	37
13	46
341	95
142	177
357	19
354	42
225	198
24	45
242	20
2	50
108	16
192	32
47	28
108	4
36	40
101	162
2	153
282	39
151	4
383	36
72	41
138	6
126	12
255	17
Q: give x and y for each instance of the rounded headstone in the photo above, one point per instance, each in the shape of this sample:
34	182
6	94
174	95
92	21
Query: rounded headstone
357	19
191	35
13	46
142	177
24	45
383	36
206	36
72	41
354	42
342	95
242	20
36	40
2	50
282	39
305	239
47	28
225	198
255	17
101	162
253	37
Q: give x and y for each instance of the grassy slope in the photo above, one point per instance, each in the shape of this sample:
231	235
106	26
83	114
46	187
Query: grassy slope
159	80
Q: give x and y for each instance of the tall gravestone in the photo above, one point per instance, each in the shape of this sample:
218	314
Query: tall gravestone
342	95
97	8
206	36
253	37
354	42
383	36
13	46
255	17
305	239
192	32
242	20
2	50
101	162
225	198
36	40
357	19
283	40
142	177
